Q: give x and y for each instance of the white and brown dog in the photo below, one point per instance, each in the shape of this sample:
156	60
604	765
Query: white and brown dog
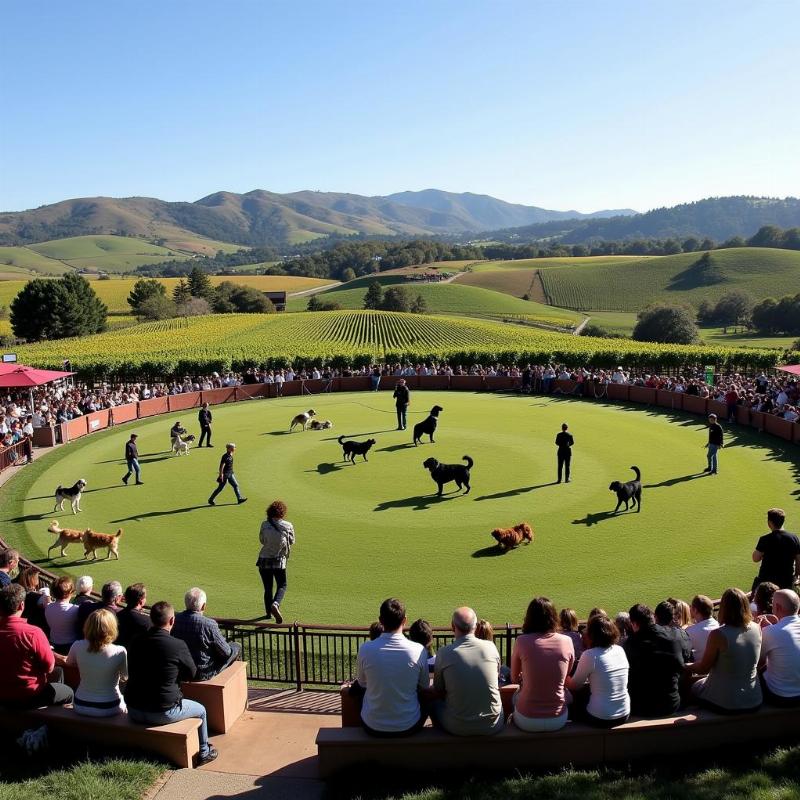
66	536
93	541
72	495
302	419
320	425
180	446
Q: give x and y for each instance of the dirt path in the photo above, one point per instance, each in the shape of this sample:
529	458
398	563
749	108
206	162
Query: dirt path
536	290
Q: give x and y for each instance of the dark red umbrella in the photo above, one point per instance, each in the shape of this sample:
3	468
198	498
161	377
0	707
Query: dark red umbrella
18	376
794	369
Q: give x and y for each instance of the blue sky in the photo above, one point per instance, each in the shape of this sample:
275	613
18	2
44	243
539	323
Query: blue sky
586	104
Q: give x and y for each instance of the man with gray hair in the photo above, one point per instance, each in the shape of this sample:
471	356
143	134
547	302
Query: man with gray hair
111	600
84	588
780	652
466	681
9	561
210	651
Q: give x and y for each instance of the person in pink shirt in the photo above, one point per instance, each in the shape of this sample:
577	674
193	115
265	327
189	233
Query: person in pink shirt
541	661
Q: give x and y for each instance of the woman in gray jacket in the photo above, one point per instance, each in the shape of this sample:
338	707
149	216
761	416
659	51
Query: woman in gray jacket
277	538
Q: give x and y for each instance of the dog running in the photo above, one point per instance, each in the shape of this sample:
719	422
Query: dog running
320	424
72	494
352	449
508	538
630	492
93	541
427	426
302	419
445	473
181	444
66	536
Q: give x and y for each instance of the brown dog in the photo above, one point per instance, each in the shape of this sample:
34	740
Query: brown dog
507	538
66	536
92	542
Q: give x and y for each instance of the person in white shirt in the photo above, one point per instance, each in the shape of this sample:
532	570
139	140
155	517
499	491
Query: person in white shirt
790	414
702	610
618	376
391	670
780	652
62	616
289	374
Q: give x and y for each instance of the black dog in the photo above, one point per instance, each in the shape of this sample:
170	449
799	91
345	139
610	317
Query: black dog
353	449
629	492
444	473
427	425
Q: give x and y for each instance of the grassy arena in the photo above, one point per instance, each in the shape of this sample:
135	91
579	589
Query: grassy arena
375	529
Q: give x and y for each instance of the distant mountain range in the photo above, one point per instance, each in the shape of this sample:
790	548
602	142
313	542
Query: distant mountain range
266	218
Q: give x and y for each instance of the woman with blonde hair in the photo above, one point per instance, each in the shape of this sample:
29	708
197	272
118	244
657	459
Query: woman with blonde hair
102	666
730	659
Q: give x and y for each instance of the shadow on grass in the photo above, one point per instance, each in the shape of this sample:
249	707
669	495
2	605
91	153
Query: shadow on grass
492	551
169	513
515	492
594	519
85	491
356	435
395	447
325	468
674	481
279	433
418	503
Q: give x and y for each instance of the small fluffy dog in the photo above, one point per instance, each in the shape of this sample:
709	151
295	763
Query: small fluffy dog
181	444
630	492
428	425
66	536
445	473
507	538
320	424
353	449
302	419
93	541
71	494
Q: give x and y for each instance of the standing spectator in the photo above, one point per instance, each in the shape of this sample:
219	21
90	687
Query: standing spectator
84	588
9	561
715	443
605	666
704	623
402	400
391	670
132	460
157	663
375	378
467	675
62	616
656	665
780	652
564	442
110	599
27	660
101	664
541	662
132	621
226	475
276	537
204	417
210	652
730	660
778	552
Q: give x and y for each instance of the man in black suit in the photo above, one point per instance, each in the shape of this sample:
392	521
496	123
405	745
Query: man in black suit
402	400
564	442
204	418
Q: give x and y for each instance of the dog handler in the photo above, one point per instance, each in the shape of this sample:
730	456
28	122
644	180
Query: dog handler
226	476
715	443
204	418
132	460
402	400
564	442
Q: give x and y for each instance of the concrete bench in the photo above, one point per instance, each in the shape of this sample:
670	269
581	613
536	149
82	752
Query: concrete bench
177	742
224	696
576	744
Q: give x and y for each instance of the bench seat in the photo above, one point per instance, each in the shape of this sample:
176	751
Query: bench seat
224	696
177	742
576	744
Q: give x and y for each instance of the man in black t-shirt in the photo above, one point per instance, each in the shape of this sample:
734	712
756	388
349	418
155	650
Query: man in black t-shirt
778	552
204	418
132	460
715	443
226	476
564	442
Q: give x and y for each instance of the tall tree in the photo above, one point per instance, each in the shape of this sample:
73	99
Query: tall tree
200	284
664	323
181	294
142	289
373	299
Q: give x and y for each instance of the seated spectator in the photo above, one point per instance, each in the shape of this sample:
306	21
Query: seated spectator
83	589
27	660
541	661
665	616
702	610
604	666
569	627
391	670
131	620
36	599
210	652
730	660
467	675
111	597
9	561
485	631
62	616
102	665
422	633
683	613
656	665
762	604
623	623
157	663
780	652
375	630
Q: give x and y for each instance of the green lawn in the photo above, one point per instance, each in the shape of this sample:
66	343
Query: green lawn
370	530
613	321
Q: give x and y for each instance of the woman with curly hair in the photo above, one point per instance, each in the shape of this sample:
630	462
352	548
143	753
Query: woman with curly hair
277	538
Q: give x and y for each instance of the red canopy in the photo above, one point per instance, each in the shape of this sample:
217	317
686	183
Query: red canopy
21	377
793	368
